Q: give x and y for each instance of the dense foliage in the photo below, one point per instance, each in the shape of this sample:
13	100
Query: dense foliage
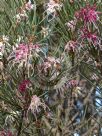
50	68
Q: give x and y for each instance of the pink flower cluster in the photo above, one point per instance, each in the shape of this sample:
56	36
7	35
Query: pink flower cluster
24	50
21	52
23	85
88	14
88	17
92	37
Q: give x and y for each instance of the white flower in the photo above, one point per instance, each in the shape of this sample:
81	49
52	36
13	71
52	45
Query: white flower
23	14
52	6
71	24
2	46
45	31
95	77
51	59
18	18
36	104
5	38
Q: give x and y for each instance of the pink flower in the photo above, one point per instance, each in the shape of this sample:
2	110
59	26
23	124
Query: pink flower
21	52
9	133
29	6
71	46
23	85
92	37
73	83
88	14
5	133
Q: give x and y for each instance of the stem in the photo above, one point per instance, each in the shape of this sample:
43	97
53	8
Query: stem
20	126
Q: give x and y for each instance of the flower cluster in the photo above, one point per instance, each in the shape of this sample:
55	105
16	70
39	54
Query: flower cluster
23	85
52	6
91	37
23	52
88	14
22	14
36	105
